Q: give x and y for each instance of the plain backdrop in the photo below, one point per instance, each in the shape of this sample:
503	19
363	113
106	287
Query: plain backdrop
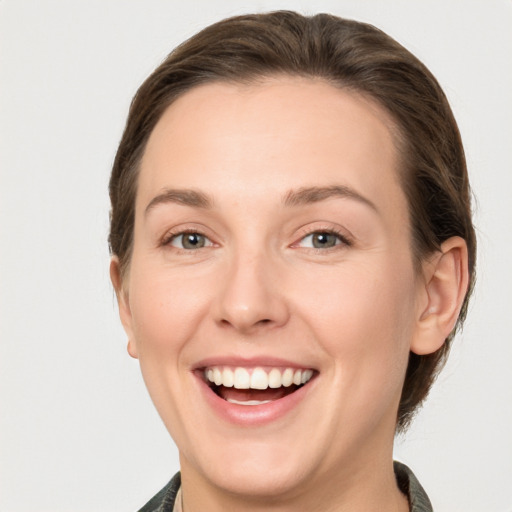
78	431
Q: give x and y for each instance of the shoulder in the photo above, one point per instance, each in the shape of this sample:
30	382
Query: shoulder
164	500
409	485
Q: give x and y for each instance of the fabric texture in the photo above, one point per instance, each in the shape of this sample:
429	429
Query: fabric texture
409	485
165	500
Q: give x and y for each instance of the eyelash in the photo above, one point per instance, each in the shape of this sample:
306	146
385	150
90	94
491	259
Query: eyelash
345	241
171	236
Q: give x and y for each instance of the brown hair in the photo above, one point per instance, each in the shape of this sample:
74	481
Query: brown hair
347	54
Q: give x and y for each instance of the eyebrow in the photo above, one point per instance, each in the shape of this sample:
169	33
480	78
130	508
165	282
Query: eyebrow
187	197
299	197
308	195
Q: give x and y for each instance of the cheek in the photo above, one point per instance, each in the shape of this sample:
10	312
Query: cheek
363	317
164	308
370	296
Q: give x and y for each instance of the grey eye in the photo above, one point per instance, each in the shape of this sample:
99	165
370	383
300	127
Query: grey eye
190	241
321	240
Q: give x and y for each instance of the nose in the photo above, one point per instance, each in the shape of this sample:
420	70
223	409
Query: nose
251	298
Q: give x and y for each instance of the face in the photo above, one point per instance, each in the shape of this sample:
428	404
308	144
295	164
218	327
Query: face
271	297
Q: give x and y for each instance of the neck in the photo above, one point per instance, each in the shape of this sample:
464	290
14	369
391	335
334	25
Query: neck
370	487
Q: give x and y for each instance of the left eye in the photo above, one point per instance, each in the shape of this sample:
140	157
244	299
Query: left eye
190	241
321	240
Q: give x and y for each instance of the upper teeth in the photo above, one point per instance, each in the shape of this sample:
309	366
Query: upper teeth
258	378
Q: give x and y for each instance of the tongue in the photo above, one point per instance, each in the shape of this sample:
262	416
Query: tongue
244	395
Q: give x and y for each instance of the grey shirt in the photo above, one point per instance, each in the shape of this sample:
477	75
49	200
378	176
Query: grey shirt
164	501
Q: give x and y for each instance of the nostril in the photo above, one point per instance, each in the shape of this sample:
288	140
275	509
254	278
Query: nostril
259	323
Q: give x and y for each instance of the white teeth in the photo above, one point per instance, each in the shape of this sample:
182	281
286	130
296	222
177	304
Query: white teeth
287	378
217	376
248	402
306	375
274	379
242	379
257	378
228	379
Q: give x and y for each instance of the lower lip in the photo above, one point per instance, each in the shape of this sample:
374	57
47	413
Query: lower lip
253	415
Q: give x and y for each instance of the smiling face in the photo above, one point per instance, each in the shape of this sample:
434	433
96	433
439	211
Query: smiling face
272	251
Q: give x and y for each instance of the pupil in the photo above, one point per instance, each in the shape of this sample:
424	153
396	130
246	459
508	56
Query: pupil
324	240
193	241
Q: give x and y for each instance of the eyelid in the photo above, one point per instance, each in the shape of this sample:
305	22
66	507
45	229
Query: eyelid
345	238
208	242
176	232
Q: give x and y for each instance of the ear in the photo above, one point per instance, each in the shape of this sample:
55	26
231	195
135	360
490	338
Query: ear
445	282
123	304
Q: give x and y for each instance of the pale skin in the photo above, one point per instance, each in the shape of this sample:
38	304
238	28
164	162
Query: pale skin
255	171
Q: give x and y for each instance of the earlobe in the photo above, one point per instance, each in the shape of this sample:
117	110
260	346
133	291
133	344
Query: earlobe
123	304
132	349
445	285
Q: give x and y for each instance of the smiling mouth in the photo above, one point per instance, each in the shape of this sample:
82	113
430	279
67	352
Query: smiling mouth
255	386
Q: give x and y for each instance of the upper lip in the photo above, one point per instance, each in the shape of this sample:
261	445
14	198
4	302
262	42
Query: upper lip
250	362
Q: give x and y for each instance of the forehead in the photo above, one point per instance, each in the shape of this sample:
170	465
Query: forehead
292	131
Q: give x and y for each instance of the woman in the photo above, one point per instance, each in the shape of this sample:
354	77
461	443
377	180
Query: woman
292	252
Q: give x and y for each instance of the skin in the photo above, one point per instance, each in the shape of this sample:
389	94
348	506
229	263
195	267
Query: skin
258	288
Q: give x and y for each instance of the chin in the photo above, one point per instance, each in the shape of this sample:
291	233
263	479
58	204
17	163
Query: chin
257	468
258	476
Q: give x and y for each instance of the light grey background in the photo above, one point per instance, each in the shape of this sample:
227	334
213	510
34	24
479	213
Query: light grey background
78	431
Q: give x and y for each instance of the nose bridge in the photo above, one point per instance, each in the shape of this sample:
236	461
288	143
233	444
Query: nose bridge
250	298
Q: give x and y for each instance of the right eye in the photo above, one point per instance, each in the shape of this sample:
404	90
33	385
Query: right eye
321	240
189	241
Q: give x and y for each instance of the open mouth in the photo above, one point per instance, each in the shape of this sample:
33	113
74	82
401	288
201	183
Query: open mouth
255	386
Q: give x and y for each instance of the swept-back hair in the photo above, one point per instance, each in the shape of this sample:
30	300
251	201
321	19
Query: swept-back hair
348	55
